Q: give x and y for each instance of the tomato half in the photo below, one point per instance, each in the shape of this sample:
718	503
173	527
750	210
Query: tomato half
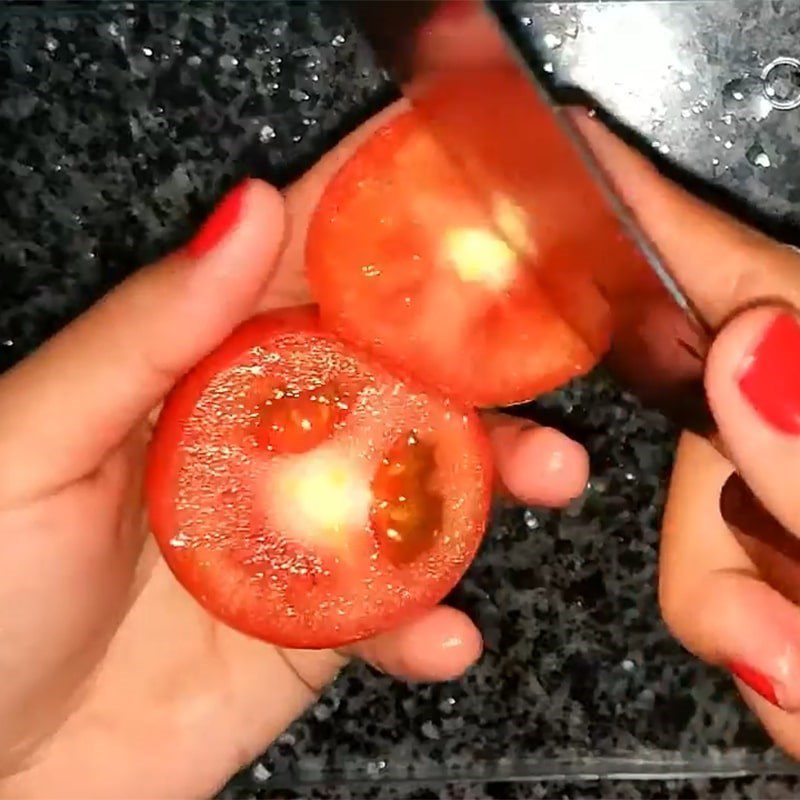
406	260
307	496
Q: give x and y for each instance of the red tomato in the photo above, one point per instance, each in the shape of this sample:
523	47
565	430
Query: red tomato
407	261
308	497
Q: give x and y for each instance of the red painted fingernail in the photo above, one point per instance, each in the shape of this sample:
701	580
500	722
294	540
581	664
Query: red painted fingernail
755	680
219	224
770	377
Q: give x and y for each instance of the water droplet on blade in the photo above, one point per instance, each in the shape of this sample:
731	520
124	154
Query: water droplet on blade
757	157
552	41
744	98
781	83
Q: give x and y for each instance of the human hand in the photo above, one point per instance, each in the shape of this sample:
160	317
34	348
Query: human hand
106	662
730	552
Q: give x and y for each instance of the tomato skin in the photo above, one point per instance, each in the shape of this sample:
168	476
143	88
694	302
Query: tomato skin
217	586
374	261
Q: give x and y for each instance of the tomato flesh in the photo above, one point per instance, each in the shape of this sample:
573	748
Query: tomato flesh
279	467
406	260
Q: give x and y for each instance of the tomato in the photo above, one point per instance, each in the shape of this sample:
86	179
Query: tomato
449	284
307	496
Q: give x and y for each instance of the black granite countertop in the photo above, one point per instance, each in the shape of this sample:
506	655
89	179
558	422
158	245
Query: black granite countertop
120	124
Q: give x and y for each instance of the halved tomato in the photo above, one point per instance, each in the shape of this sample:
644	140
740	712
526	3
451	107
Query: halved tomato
462	290
307	496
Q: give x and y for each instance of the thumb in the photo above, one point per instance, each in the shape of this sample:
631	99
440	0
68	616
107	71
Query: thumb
753	386
65	407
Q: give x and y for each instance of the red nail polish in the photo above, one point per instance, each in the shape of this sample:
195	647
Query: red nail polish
217	226
770	378
755	680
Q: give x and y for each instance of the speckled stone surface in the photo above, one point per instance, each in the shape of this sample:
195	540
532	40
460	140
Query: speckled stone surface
121	124
763	788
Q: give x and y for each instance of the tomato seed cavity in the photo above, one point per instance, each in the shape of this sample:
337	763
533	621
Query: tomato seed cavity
408	508
299	421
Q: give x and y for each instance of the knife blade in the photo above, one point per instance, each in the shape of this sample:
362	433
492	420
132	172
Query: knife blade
544	192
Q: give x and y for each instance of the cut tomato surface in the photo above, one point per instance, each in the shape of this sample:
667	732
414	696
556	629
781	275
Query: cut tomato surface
406	260
309	497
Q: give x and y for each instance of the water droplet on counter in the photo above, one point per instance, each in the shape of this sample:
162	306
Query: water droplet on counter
757	157
715	161
552	41
781	82
287	739
446	706
321	711
148	51
744	98
375	768
266	134
51	43
532	521
430	731
7	342
298	95
527	21
338	40
227	61
260	773
728	144
548	67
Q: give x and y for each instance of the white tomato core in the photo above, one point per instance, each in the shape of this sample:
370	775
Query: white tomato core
320	497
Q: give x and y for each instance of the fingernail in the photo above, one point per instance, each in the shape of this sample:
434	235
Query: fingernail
220	223
770	378
758	682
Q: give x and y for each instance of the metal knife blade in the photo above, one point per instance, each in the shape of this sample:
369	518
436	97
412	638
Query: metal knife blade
544	191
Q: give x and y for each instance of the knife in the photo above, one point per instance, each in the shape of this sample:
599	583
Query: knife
513	143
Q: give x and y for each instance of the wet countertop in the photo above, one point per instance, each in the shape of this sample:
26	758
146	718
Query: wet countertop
121	124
